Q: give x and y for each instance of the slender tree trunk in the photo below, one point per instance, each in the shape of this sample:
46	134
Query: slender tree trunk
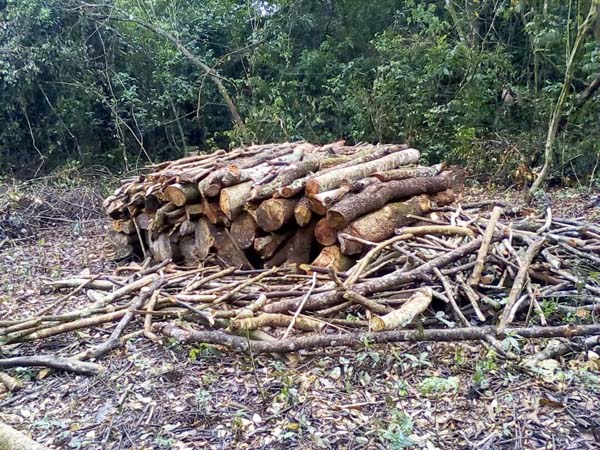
562	98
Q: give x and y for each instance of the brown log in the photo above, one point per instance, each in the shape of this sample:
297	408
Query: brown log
286	176
409	172
325	233
381	224
266	246
302	212
203	238
444	198
272	214
160	217
233	199
243	230
332	258
358	339
356	172
182	194
320	203
211	211
377	195
11	439
151	204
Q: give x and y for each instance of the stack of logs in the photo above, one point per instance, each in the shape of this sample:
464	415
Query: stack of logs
275	204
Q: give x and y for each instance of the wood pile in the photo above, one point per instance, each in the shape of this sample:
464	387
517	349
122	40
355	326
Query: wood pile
483	271
275	204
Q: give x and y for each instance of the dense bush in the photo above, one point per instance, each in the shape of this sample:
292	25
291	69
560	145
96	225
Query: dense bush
120	83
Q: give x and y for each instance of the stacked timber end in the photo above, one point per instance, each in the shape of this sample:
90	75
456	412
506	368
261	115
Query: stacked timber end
275	204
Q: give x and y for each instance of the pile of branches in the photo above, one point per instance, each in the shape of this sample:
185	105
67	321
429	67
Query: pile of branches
275	204
27	207
467	274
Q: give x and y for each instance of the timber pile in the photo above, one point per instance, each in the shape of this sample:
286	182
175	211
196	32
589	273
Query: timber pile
275	204
464	273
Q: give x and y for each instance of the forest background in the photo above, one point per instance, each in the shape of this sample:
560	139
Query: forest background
114	85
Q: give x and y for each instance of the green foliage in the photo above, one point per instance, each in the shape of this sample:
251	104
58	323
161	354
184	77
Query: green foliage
469	82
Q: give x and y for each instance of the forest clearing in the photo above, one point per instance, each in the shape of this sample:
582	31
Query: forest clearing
299	224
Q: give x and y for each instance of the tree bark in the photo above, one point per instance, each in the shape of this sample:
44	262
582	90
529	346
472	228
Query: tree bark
377	195
355	172
266	246
381	224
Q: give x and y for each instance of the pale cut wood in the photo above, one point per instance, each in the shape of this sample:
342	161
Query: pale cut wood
266	246
332	258
483	250
182	194
302	212
272	214
233	199
409	172
403	316
11	439
356	172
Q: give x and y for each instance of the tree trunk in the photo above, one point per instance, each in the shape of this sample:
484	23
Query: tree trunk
324	233
243	230
302	212
381	224
377	195
332	258
355	172
11	439
272	214
182	194
301	245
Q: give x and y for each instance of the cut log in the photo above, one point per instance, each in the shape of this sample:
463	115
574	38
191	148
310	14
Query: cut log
162	248
272	214
203	238
266	246
160	217
243	230
332	258
118	246
356	172
381	224
377	195
325	233
211	211
11	439
320	203
227	250
403	316
409	172
287	176
302	212
182	194
233	198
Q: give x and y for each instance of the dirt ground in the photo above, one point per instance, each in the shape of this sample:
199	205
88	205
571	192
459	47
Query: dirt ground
441	396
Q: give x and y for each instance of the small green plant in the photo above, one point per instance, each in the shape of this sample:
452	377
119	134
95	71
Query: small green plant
398	431
439	385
